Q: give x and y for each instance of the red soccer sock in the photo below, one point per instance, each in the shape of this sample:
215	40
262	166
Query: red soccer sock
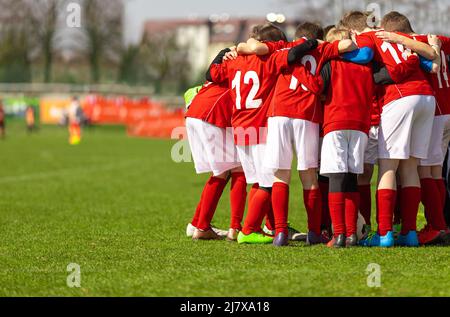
431	199
426	195
410	200
365	202
238	197
213	191
257	209
336	202
398	207
386	205
440	183
270	217
313	205
194	220
326	219
252	193
351	212
280	203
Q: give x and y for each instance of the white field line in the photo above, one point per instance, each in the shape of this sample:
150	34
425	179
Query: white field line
69	171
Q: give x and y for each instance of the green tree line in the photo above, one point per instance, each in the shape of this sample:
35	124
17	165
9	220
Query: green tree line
34	37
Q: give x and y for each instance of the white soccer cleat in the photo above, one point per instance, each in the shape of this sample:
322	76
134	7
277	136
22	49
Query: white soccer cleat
190	230
221	233
268	232
232	234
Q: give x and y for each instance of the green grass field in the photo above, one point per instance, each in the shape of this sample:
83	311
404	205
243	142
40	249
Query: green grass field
118	207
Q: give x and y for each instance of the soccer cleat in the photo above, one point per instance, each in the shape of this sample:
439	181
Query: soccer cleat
445	236
408	240
351	241
295	235
387	241
372	240
190	229
221	233
429	236
232	235
337	242
268	232
313	238
326	236
253	238
205	235
366	230
281	240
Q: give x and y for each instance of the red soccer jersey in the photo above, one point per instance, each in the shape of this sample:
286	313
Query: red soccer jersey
275	46
440	81
252	79
391	55
296	95
212	104
377	103
349	97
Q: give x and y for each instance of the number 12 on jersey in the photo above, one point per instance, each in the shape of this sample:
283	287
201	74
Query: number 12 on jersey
250	102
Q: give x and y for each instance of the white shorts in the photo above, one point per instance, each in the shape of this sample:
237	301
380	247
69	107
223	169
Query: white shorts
212	148
405	128
438	142
252	158
343	152
371	153
286	135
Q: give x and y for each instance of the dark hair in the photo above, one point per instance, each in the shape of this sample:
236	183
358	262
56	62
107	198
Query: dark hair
354	20
311	31
396	22
268	32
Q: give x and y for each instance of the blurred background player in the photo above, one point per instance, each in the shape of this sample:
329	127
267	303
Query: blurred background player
30	119
2	121
74	114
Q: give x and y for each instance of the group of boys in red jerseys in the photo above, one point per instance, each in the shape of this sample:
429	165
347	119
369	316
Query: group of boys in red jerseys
341	101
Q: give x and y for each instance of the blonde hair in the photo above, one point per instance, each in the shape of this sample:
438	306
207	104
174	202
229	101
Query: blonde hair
335	34
355	20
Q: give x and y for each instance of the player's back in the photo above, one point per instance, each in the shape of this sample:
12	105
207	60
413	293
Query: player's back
212	104
252	80
291	97
440	81
391	55
349	97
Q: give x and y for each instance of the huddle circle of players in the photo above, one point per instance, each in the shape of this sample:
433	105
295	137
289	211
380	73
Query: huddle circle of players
359	97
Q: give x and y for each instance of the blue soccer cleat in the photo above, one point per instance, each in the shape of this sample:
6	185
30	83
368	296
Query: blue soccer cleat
372	240
387	241
408	240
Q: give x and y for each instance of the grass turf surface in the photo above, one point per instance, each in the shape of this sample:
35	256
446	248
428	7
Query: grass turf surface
118	207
